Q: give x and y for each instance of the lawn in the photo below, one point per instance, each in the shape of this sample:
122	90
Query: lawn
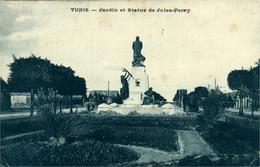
154	137
154	132
93	143
87	153
95	140
18	126
171	122
234	145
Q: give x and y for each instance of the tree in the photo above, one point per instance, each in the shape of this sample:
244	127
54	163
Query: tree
60	76
34	73
254	89
61	80
246	82
241	81
202	91
213	104
192	101
255	81
78	87
239	78
29	73
118	99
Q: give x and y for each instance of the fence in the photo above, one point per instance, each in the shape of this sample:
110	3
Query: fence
242	121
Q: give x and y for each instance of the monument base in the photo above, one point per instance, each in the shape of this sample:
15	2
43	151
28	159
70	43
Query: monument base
138	85
127	109
134	98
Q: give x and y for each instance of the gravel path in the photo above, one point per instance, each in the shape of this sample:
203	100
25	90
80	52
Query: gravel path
190	144
21	135
148	155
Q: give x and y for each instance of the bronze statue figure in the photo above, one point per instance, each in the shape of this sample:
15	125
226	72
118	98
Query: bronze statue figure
124	91
138	57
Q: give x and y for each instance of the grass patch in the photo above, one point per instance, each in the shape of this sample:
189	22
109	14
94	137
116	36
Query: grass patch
85	153
176	123
18	126
238	139
234	145
39	136
154	137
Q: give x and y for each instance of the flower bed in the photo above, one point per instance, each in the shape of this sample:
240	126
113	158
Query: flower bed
154	137
84	153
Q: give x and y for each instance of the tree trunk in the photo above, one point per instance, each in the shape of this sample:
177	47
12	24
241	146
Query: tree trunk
253	104
71	105
241	112
60	103
55	102
32	101
252	111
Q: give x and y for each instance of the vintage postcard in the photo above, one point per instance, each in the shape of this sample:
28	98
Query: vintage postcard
130	83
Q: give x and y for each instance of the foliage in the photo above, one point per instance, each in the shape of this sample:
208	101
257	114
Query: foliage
34	73
18	126
238	79
193	101
117	99
154	137
84	153
246	81
54	125
214	103
247	84
100	98
255	87
243	143
29	73
202	91
254	73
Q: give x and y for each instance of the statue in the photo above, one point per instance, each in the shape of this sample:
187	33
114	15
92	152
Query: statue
138	57
124	91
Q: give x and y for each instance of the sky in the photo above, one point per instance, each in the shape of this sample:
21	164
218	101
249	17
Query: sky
182	50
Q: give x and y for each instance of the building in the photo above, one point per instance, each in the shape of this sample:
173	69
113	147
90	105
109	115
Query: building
178	98
237	102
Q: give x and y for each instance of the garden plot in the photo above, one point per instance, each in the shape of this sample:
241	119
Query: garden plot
112	141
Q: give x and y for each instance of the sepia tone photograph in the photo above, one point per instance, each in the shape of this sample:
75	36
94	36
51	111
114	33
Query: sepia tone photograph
130	83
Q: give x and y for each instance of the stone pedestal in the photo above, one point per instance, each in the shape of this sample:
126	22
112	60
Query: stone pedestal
138	85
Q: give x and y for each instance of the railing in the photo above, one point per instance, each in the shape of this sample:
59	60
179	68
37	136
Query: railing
242	121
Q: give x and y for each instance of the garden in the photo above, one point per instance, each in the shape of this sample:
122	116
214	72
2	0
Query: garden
87	140
80	139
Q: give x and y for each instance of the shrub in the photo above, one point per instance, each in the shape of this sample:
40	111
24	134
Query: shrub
133	113
87	153
54	124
